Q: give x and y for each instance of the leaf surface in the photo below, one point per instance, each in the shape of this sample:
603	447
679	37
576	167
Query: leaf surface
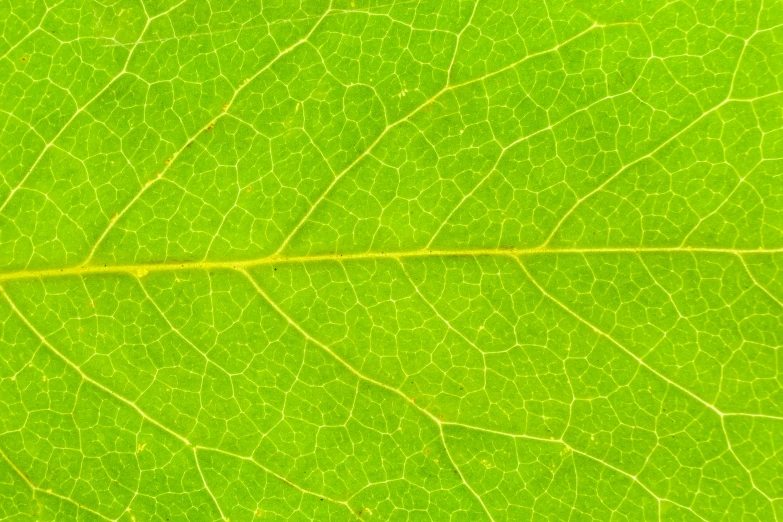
391	260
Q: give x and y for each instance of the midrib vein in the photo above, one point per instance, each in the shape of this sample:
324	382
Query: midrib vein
142	269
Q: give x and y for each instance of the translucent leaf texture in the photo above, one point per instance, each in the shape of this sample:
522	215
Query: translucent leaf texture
391	260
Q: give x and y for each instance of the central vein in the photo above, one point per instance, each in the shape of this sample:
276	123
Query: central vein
142	269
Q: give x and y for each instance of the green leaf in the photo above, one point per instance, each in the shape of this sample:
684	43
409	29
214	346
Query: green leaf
391	260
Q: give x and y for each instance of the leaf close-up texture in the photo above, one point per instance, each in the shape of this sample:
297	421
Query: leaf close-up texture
391	260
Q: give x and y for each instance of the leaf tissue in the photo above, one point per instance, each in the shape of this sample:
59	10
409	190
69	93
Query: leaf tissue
391	260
